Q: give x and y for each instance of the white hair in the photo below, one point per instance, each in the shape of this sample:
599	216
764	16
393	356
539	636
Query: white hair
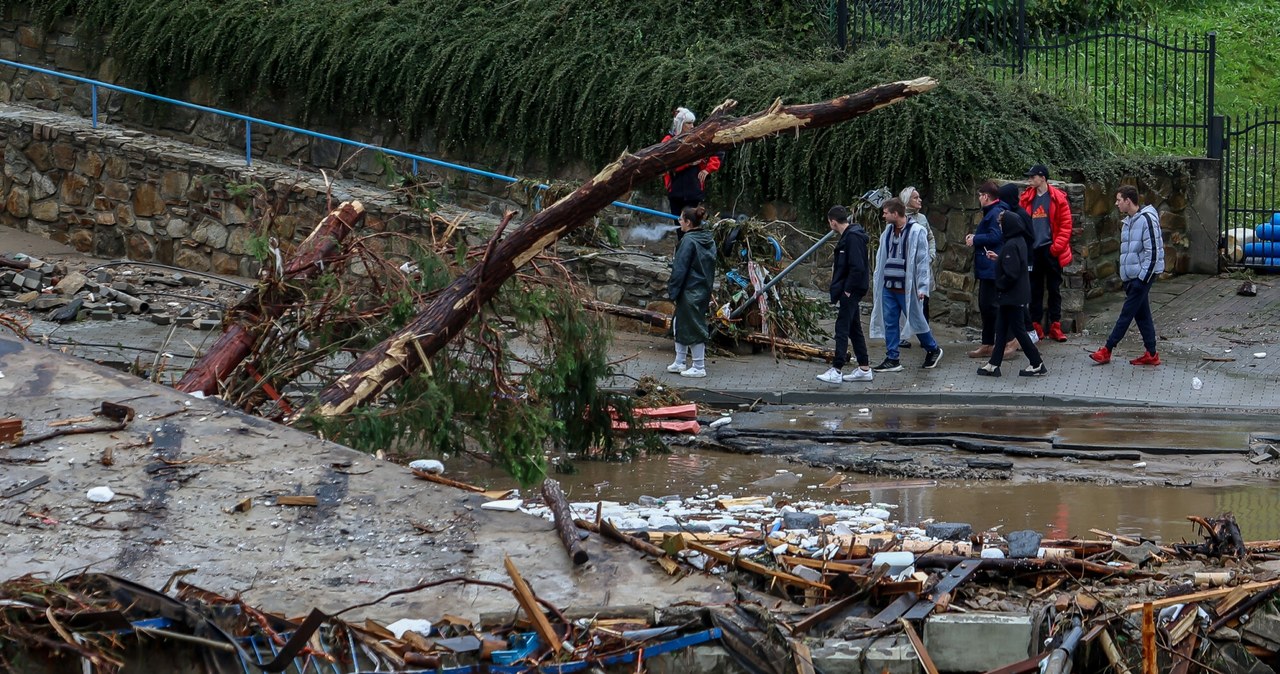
684	116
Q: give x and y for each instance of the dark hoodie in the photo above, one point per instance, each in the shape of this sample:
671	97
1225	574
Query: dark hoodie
1013	282
1012	199
849	264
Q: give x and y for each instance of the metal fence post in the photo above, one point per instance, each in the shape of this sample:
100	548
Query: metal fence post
248	146
1217	129
1022	37
842	24
93	103
1209	86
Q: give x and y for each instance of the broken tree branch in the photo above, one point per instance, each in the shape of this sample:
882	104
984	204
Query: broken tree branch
559	505
444	318
253	315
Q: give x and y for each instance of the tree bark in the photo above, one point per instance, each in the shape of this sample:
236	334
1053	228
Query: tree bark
559	505
260	307
404	352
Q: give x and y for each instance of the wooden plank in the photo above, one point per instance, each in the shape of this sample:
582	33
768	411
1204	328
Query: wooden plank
524	596
297	501
824	565
432	477
1182	655
826	613
1149	653
918	645
1031	664
1202	596
956	577
745	501
803	658
748	565
10	430
1113	653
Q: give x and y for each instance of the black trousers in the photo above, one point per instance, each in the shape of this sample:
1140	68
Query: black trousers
1009	325
1046	276
677	204
987	308
849	326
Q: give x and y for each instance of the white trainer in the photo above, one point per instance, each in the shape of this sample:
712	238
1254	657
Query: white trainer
831	376
1034	337
860	374
694	372
677	367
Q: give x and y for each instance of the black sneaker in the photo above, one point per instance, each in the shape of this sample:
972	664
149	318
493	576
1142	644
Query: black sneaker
889	365
931	358
1037	371
989	370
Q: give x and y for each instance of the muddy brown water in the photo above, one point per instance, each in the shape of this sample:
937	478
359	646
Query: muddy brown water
1057	509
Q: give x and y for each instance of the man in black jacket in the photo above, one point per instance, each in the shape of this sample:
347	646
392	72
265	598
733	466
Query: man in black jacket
849	282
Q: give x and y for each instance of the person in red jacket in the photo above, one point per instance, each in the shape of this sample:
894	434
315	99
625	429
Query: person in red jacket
1051	251
686	185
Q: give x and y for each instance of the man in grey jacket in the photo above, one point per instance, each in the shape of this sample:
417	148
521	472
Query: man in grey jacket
1141	261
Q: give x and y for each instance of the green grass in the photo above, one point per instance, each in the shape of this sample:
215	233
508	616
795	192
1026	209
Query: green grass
1248	51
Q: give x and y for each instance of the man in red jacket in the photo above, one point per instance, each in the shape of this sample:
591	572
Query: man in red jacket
1051	231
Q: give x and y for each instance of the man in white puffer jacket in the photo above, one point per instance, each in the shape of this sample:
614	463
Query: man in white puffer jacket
1141	261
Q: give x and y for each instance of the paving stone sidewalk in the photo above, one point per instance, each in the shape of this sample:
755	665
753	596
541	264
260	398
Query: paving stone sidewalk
1196	317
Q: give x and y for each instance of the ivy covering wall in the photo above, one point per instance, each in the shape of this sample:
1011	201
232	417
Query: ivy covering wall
561	80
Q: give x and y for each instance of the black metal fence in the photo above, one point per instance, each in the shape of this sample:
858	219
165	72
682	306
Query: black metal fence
1250	180
1153	87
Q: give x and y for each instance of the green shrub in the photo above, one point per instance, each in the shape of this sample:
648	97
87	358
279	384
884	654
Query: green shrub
586	79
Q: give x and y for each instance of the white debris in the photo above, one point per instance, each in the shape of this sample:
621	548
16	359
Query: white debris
427	466
399	627
722	421
1140	464
100	495
1260	354
878	513
1196	383
506	505
992	553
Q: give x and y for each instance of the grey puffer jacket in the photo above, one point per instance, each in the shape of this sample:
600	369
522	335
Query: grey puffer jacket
1141	246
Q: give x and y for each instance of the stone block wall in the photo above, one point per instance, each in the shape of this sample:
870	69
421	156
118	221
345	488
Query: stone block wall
117	193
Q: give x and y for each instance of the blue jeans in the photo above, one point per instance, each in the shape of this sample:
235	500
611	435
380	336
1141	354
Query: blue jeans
893	305
1137	307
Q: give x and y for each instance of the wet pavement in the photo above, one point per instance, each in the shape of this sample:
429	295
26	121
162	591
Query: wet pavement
1197	317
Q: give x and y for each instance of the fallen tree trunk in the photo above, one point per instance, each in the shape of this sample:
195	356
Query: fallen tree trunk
655	318
251	317
559	506
406	351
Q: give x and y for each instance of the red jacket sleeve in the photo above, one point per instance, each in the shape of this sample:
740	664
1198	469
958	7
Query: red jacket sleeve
1060	223
666	177
711	164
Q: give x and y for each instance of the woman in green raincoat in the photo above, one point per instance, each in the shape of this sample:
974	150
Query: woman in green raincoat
693	272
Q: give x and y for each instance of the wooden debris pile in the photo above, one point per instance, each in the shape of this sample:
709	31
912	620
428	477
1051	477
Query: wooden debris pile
97	619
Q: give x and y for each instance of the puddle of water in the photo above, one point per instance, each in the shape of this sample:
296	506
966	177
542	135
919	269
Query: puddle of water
1056	509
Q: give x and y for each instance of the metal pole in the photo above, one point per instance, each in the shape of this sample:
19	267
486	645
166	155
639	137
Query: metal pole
782	274
842	24
248	143
93	102
1022	36
1209	85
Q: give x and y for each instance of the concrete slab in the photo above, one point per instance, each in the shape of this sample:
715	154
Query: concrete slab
977	642
182	464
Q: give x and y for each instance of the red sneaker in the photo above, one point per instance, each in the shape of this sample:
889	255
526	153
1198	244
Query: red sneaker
1039	330
1102	356
1055	332
1146	359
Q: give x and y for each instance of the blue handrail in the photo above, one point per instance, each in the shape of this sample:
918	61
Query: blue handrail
249	121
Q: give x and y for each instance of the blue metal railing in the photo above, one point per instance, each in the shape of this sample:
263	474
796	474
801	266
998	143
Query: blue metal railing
250	121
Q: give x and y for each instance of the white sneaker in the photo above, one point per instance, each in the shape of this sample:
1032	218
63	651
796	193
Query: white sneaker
693	372
860	374
676	367
1034	337
831	376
